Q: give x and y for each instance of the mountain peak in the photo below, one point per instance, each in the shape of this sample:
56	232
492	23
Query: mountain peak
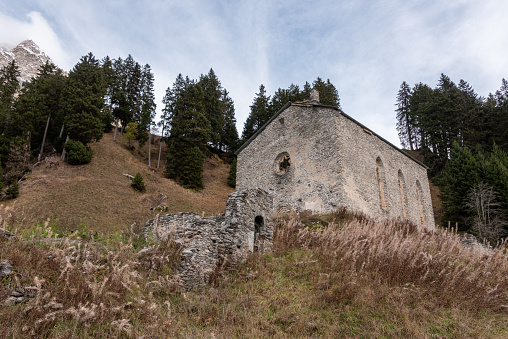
28	56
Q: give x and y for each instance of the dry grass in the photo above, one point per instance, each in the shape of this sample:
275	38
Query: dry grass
351	278
100	196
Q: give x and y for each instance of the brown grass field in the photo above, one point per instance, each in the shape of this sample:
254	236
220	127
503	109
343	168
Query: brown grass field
98	196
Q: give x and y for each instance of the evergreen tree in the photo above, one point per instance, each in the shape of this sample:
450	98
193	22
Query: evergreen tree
457	181
499	120
145	117
137	183
109	79
232	174
212	95
13	190
282	97
220	112
328	94
83	100
229	133
189	133
495	173
404	125
259	114
38	108
8	85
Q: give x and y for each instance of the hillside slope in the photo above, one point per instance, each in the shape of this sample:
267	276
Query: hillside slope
100	196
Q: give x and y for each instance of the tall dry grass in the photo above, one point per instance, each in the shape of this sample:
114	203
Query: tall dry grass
433	264
335	276
85	286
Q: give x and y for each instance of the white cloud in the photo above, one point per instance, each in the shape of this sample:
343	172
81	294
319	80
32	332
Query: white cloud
36	28
365	48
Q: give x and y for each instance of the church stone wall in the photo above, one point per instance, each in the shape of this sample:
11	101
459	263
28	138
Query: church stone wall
372	166
307	135
333	161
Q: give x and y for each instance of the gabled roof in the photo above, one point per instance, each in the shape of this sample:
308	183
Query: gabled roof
316	104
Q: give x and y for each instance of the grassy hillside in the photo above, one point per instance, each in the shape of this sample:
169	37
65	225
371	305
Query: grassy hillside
338	276
99	196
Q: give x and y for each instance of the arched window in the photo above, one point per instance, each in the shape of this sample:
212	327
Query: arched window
381	180
419	193
403	194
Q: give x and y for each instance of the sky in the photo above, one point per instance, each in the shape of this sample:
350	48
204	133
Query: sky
366	48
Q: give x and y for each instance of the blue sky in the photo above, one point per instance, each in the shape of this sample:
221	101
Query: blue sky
365	48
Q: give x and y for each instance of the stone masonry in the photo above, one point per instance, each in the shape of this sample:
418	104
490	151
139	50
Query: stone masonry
315	157
208	243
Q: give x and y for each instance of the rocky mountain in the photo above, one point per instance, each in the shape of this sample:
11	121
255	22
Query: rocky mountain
28	57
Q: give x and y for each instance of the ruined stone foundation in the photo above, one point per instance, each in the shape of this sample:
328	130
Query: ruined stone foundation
210	242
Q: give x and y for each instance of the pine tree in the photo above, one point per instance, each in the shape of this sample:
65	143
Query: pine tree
8	85
229	133
259	114
232	174
220	112
83	100
146	115
189	133
137	183
13	190
328	94
404	124
458	179
38	108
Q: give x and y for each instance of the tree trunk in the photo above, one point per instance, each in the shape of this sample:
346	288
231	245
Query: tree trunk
160	150
149	149
63	152
44	138
116	129
61	131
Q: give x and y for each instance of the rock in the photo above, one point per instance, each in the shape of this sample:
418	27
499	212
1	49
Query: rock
31	291
11	301
6	234
17	293
5	268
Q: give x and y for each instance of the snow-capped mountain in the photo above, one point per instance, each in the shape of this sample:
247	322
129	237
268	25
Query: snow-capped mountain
28	57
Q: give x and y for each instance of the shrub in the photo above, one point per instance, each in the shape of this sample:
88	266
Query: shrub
78	153
13	190
232	174
137	183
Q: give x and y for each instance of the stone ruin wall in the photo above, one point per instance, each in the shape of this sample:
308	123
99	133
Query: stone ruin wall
334	162
210	242
307	134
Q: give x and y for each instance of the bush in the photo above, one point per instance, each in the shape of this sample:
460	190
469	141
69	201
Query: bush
13	190
77	153
137	183
232	174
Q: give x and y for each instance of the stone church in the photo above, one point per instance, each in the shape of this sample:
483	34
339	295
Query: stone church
309	156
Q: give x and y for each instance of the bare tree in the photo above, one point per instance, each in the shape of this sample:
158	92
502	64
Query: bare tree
488	221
